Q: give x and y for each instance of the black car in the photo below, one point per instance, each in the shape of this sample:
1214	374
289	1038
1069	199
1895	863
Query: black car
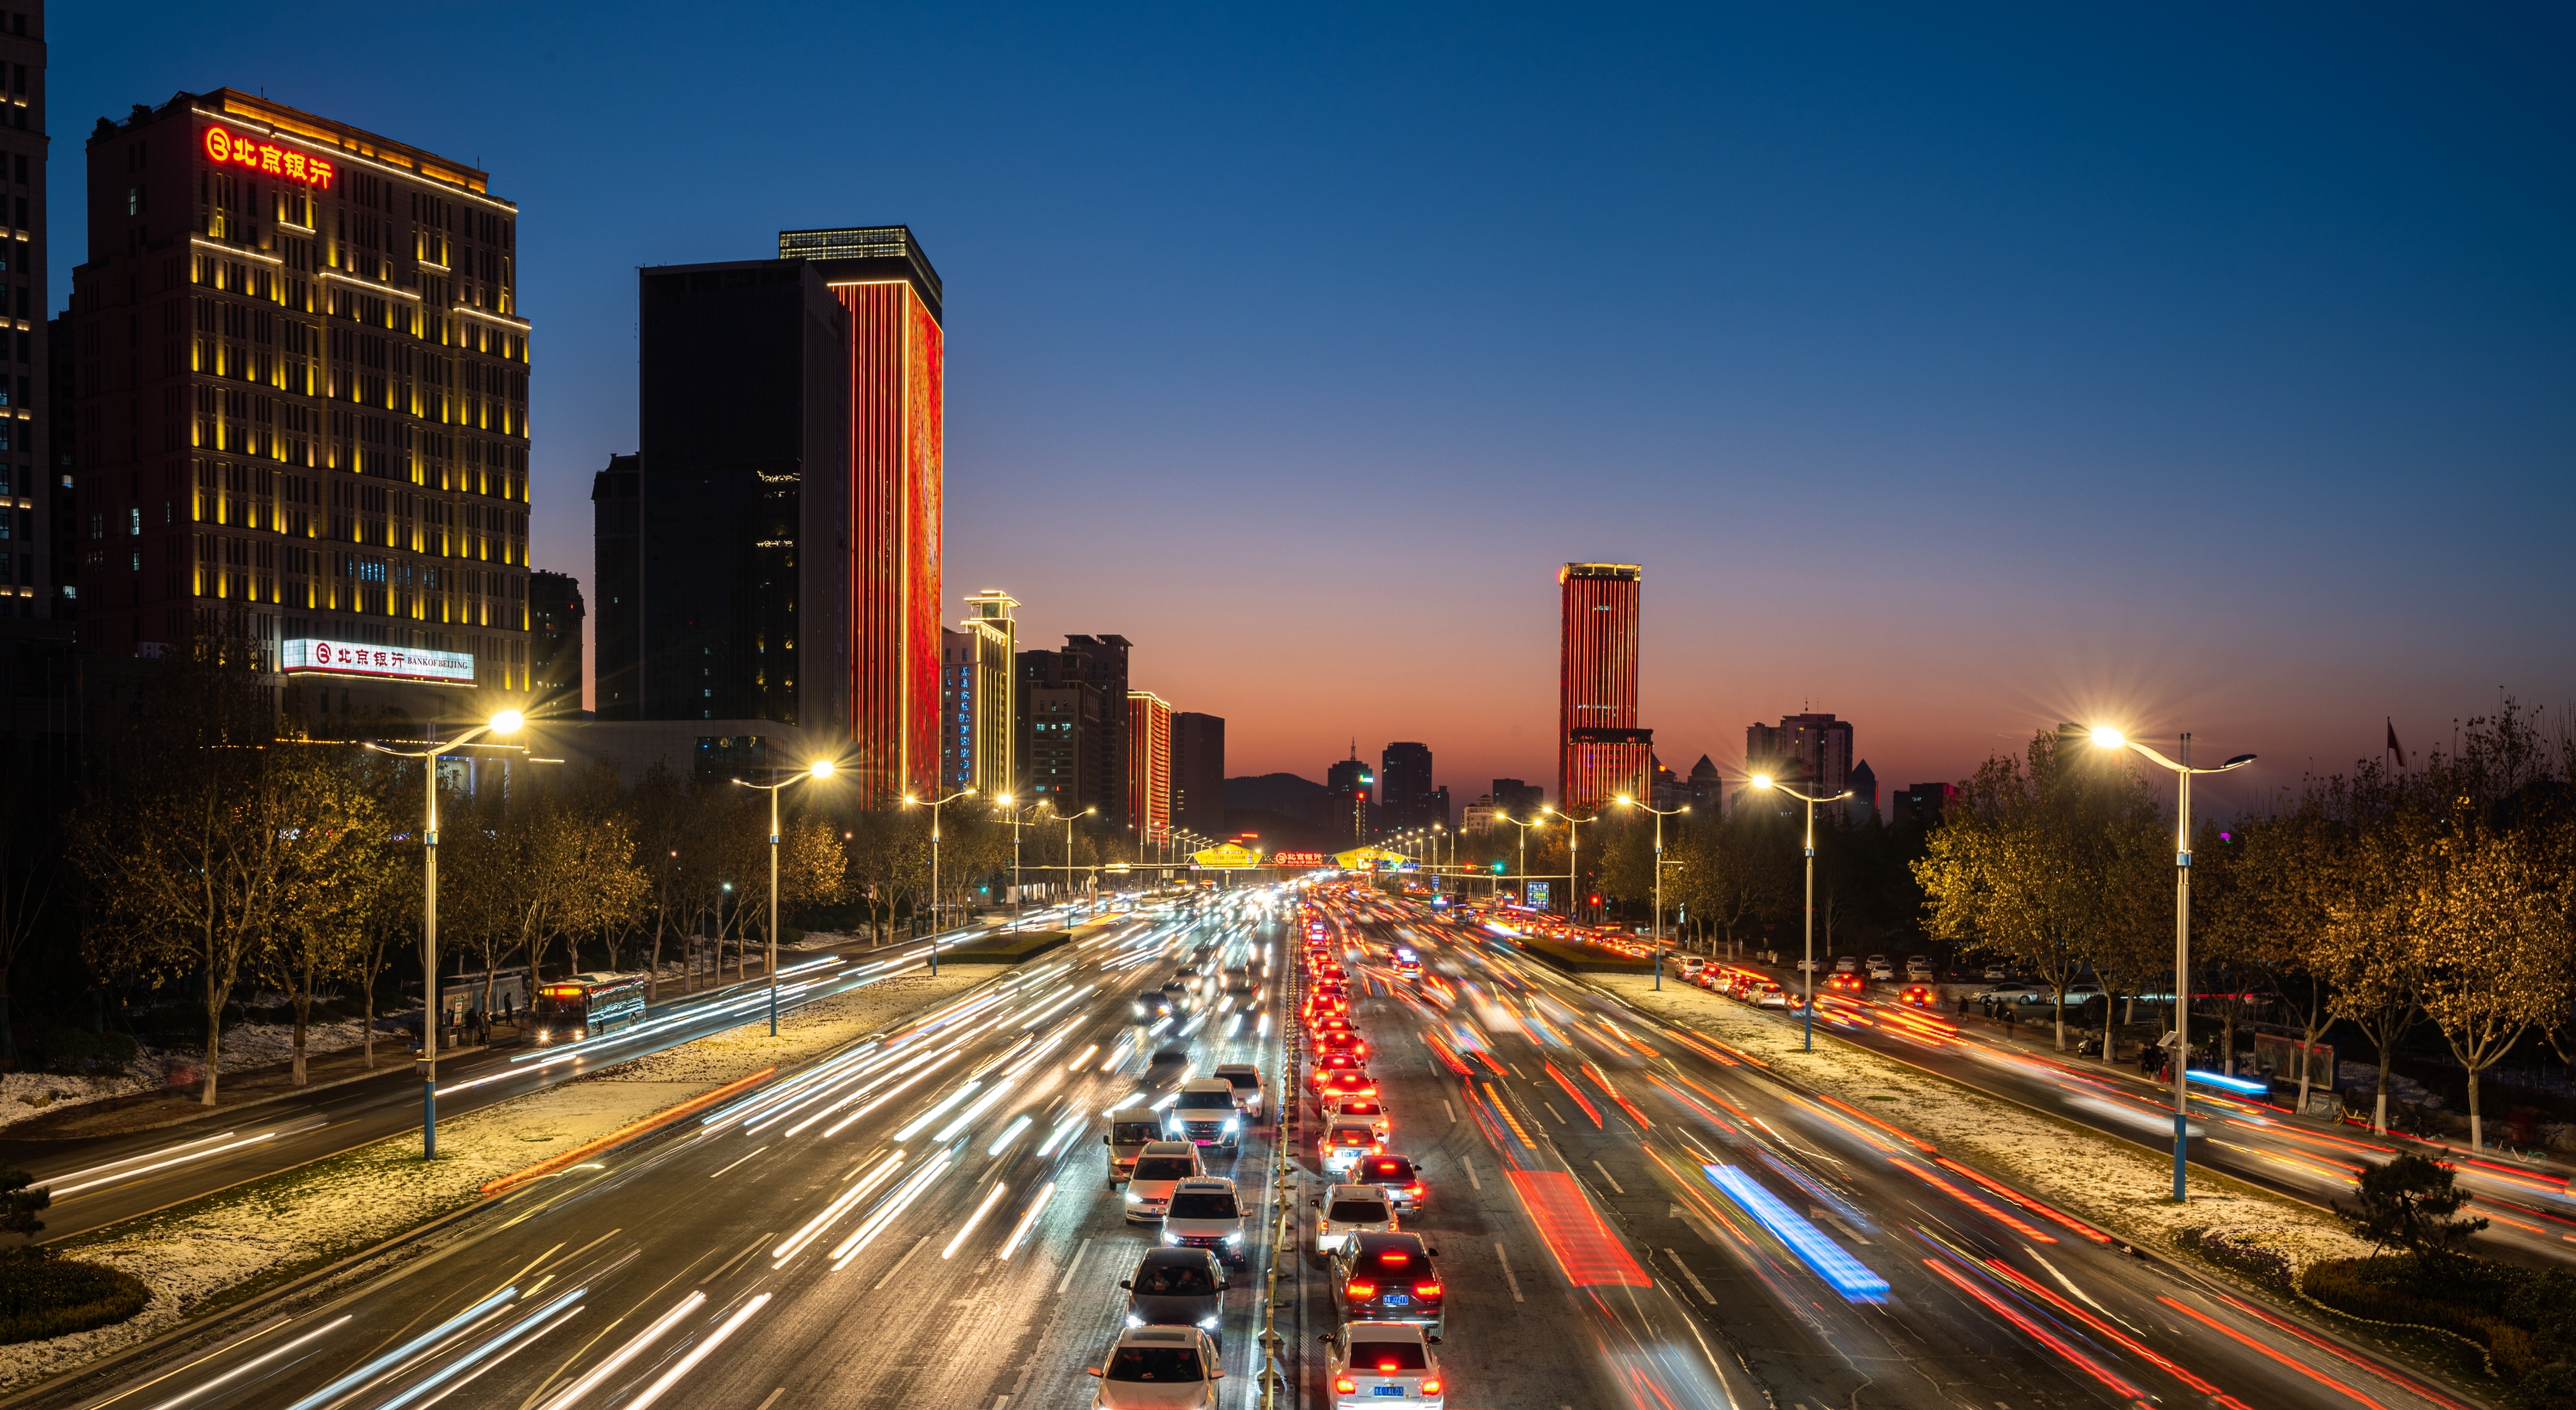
1177	1287
1389	1278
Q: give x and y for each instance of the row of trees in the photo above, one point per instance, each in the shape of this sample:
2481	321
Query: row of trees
215	848
2443	893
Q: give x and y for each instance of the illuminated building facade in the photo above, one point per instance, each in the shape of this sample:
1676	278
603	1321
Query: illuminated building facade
895	407
1601	752
303	380
1349	787
979	728
35	507
1149	766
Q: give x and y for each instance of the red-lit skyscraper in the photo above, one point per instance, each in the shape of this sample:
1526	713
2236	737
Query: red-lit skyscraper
1601	753
897	401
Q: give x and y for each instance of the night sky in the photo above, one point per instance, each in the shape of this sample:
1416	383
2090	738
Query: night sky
1959	373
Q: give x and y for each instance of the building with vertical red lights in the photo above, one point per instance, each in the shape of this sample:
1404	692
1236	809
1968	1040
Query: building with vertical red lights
303	379
1149	766
896	404
1601	752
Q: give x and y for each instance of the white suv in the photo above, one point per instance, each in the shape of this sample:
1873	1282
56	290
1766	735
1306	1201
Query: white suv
1347	1210
1158	1368
1160	1168
1203	1213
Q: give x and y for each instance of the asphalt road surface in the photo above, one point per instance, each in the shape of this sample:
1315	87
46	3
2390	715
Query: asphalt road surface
100	1181
1624	1215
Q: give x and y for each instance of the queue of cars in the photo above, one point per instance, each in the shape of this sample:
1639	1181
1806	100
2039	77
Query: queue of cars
1386	1287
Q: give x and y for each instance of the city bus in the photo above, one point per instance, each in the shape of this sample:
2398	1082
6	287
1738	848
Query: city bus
582	1006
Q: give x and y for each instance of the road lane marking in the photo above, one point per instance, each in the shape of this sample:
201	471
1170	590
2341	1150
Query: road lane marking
1552	1111
1605	1174
1452	1111
1069	1265
1696	1285
1470	1163
755	1152
898	1263
1500	1258
782	1390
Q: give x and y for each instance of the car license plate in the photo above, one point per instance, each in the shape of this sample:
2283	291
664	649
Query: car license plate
1386	1390
1398	1300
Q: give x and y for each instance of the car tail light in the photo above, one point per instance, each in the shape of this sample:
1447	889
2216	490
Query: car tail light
1386	1368
1429	1290
1394	1260
1359	1292
1431	1386
1345	1385
1416	1191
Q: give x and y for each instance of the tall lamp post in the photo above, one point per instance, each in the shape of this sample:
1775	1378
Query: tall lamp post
1525	832
935	805
1626	801
1069	820
506	722
1573	852
821	768
2109	738
1018	819
1766	781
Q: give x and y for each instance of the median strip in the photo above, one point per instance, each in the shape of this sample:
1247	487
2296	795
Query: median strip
626	1133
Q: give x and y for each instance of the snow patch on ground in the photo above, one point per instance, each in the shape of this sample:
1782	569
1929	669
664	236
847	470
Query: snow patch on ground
2121	1188
283	1227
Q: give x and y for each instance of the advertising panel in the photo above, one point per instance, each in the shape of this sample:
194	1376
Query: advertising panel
317	657
1538	894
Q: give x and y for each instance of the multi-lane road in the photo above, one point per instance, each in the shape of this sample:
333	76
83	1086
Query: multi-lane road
1623	1213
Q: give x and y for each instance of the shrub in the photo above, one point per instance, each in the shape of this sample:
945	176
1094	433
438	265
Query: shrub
2521	1316
119	1048
44	1296
70	1047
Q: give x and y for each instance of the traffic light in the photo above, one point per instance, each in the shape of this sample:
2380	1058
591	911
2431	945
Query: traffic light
1498	867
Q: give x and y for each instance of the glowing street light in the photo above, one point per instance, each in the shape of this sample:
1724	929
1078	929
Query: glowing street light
821	768
1573	851
1766	781
935	805
1660	814
2108	738
504	722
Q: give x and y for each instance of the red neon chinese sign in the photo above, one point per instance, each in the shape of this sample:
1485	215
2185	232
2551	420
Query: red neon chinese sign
283	162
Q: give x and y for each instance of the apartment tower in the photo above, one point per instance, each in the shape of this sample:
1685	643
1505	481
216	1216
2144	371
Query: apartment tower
1601	751
302	383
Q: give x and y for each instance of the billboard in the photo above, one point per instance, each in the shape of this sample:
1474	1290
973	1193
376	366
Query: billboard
1226	855
1536	898
316	657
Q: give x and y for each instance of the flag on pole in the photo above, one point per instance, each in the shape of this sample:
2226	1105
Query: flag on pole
2393	746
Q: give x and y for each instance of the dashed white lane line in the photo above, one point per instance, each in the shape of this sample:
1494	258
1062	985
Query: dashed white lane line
1606	1175
1069	1265
1696	1285
1501	1258
1470	1163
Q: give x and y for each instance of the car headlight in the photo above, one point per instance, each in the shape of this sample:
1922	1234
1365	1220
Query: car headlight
1232	1123
1235	1238
1135	1198
1208	1322
1135	1321
1170	1238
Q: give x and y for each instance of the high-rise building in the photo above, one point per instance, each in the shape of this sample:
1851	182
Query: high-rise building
1481	815
1862	806
300	350
896	409
1404	787
1924	804
36	508
1813	751
789	496
1351	787
615	566
1060	729
1149	766
1102	661
554	643
980	726
1198	773
742	505
1520	800
1601	751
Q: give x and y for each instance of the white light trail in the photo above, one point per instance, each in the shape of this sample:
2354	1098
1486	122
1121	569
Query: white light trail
524	1326
1087	1055
613	1364
1027	1218
884	1214
967	1117
1123	1103
990	1198
247	1367
60	1190
814	1227
1009	1134
888	1095
699	1352
1063	1129
936	1112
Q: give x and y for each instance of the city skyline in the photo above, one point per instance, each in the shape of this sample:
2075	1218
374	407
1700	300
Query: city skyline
2295	309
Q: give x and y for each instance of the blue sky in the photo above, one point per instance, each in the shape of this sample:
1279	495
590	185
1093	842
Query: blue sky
1956	372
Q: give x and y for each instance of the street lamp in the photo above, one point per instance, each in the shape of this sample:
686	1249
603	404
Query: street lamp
1069	820
1766	781
822	768
506	722
1018	820
2108	738
935	805
1660	814
1573	851
1525	827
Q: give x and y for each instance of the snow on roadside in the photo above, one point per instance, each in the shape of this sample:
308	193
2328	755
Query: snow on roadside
282	1227
2120	1187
